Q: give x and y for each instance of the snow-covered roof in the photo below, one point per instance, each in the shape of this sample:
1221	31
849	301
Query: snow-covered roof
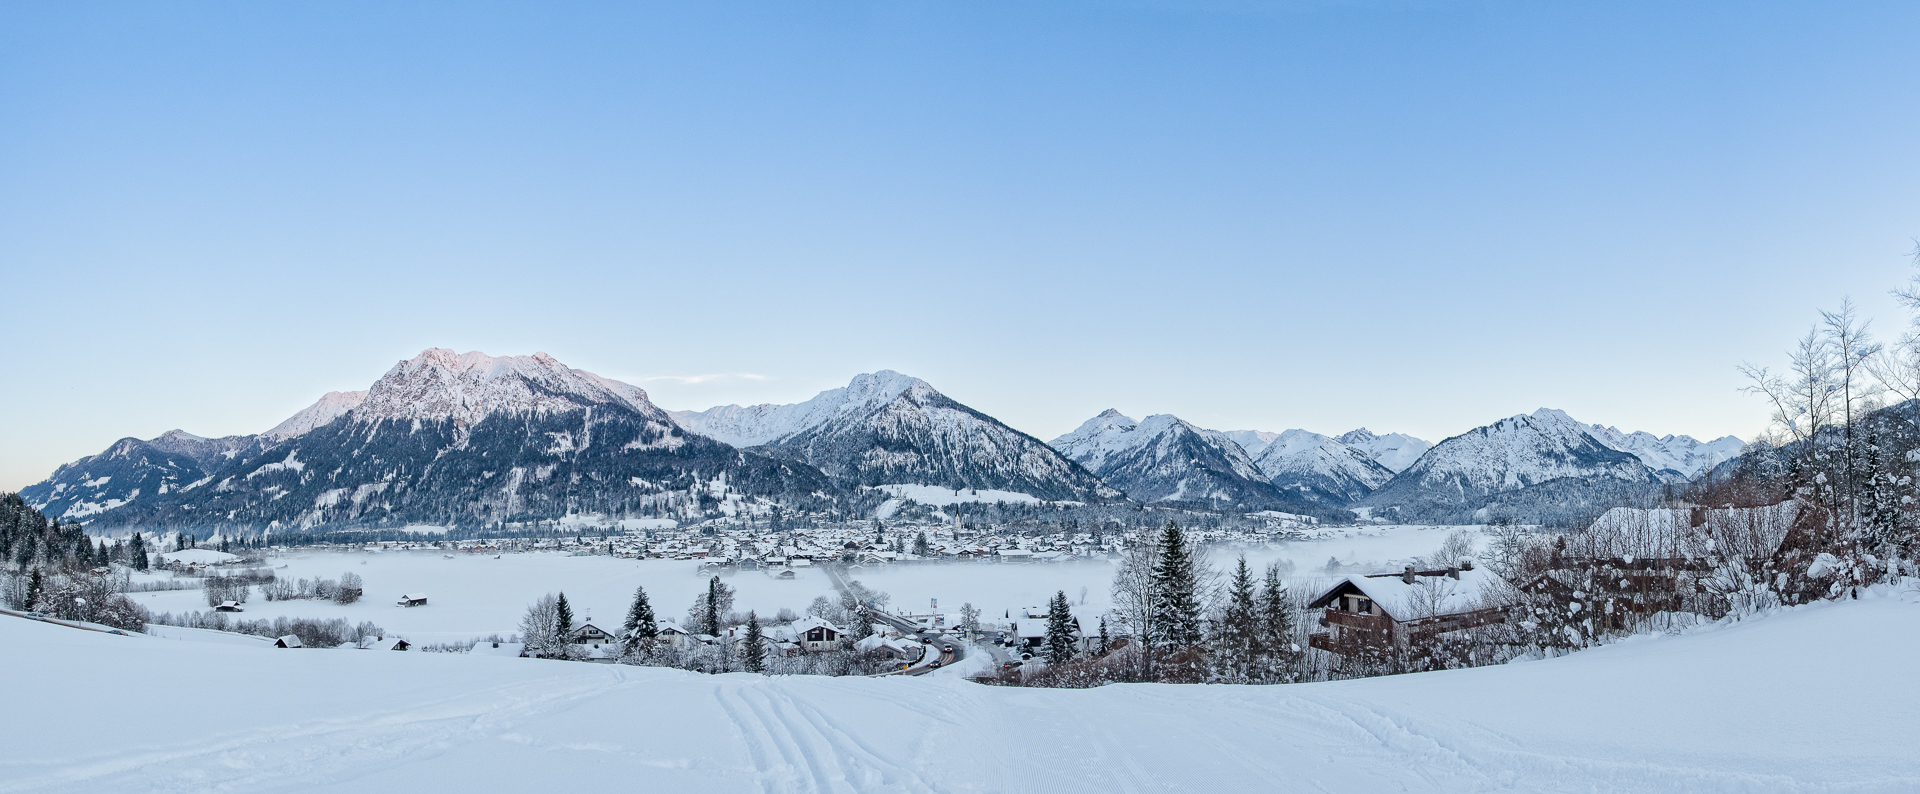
1428	596
801	626
1669	532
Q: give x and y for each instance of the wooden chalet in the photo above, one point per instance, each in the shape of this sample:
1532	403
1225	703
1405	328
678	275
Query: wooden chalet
1384	612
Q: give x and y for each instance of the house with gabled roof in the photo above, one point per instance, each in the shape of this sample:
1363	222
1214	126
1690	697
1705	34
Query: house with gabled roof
817	634
1378	613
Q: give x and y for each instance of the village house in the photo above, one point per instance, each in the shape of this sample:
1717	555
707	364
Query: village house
587	634
1377	613
413	600
815	634
289	641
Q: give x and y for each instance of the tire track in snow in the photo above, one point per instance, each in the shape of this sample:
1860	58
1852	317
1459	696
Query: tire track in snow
272	758
796	748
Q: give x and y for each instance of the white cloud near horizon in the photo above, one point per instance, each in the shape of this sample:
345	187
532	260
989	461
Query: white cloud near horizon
715	377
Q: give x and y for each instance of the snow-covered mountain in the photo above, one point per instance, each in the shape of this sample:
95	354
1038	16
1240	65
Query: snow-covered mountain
1396	451
1320	468
129	470
1511	454
1253	441
331	406
441	438
1682	455
886	428
1166	459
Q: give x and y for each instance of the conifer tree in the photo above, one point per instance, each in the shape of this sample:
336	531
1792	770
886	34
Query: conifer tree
1277	650
921	548
138	552
24	556
1105	641
34	586
711	615
563	620
754	650
1176	598
1059	630
640	625
1237	644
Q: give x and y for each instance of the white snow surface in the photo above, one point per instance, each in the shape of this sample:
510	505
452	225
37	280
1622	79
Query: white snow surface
754	425
1749	707
330	406
475	595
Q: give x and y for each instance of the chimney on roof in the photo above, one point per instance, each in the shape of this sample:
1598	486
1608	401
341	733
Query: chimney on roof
1407	577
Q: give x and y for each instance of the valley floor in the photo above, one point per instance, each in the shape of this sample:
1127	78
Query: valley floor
1818	698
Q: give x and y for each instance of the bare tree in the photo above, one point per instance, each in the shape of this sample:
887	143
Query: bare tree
1851	341
1133	591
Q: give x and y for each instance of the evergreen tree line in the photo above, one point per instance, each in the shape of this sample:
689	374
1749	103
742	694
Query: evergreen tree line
728	641
51	567
1174	621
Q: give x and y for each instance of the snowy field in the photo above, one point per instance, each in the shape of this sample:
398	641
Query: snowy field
475	595
1817	698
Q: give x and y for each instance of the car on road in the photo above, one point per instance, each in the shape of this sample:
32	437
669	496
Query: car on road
946	648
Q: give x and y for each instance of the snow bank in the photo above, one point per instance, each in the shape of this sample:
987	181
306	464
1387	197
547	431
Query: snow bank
1752	707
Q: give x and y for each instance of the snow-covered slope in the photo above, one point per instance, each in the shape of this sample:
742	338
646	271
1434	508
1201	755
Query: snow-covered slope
1751	707
440	385
132	470
1320	468
1396	451
754	425
1253	441
886	428
1167	459
331	406
1682	455
1508	455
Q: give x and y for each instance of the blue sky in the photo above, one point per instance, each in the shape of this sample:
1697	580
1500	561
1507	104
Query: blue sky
1410	216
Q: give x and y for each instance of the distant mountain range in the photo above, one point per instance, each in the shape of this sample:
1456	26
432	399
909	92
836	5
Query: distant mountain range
890	429
470	439
1165	459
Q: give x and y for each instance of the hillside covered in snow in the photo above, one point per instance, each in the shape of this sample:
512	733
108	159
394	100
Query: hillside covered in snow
1737	708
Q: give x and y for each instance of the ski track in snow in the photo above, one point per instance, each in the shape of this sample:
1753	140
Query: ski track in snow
1709	715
